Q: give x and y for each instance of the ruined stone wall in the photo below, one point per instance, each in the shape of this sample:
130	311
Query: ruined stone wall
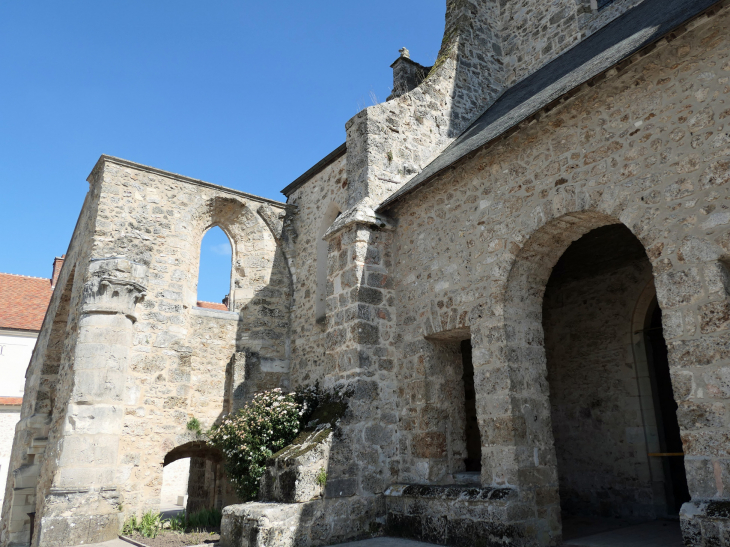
487	47
596	406
474	250
325	192
137	359
181	354
25	487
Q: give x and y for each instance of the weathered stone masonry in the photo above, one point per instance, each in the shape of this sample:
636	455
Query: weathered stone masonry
375	288
138	359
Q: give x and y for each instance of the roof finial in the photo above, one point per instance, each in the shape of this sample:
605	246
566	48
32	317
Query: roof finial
404	52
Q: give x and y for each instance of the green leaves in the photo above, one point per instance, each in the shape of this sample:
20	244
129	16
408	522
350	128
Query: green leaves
247	439
148	526
193	425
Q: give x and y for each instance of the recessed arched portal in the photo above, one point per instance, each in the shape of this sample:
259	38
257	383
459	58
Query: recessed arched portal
544	350
612	409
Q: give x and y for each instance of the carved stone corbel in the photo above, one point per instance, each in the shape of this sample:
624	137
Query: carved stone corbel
116	285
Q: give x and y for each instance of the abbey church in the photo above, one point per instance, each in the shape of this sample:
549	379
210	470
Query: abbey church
516	271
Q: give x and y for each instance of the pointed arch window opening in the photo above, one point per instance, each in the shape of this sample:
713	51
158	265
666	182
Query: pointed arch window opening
215	270
320	305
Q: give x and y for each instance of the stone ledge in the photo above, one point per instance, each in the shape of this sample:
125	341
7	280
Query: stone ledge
215	314
704	523
450	492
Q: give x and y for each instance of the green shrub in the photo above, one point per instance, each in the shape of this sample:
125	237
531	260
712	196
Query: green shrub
322	477
148	526
196	522
259	429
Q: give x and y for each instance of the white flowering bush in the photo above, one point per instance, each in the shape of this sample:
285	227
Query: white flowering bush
258	430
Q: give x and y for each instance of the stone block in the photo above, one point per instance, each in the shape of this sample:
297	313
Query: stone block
293	474
98	419
98	385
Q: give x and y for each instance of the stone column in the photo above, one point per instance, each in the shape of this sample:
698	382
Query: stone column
84	500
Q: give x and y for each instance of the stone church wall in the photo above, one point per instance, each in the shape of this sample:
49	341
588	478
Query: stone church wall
487	47
127	359
324	193
474	249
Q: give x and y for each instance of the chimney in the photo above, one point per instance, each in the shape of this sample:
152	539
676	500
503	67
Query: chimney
407	74
57	264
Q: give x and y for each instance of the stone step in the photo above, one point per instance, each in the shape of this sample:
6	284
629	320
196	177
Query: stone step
38	445
468	477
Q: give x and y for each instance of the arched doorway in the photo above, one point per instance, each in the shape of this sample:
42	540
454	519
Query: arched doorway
610	397
669	441
207	486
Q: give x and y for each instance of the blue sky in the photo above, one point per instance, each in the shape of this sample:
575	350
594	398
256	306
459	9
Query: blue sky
244	94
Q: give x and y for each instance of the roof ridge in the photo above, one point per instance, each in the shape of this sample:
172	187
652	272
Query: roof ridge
26	276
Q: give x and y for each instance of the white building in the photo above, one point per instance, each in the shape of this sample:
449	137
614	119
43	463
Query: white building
23	304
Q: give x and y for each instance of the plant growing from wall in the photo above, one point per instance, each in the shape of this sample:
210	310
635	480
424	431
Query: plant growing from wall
194	425
322	477
262	427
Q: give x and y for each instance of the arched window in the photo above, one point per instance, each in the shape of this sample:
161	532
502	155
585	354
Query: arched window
214	271
320	306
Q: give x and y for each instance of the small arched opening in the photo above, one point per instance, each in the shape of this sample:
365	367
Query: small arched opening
206	487
214	270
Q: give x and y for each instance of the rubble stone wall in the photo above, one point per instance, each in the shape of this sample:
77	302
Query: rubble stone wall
487	47
181	354
138	360
25	488
475	247
325	191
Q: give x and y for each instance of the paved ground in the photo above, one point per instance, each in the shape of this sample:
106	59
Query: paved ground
385	542
169	511
657	533
111	543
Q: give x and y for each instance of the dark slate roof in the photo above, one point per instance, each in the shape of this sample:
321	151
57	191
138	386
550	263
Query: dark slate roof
324	162
646	23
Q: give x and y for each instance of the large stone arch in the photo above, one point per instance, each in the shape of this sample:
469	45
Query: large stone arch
509	356
513	402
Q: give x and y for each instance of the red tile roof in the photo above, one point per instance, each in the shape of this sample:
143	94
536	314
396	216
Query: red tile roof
23	301
212	305
11	401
